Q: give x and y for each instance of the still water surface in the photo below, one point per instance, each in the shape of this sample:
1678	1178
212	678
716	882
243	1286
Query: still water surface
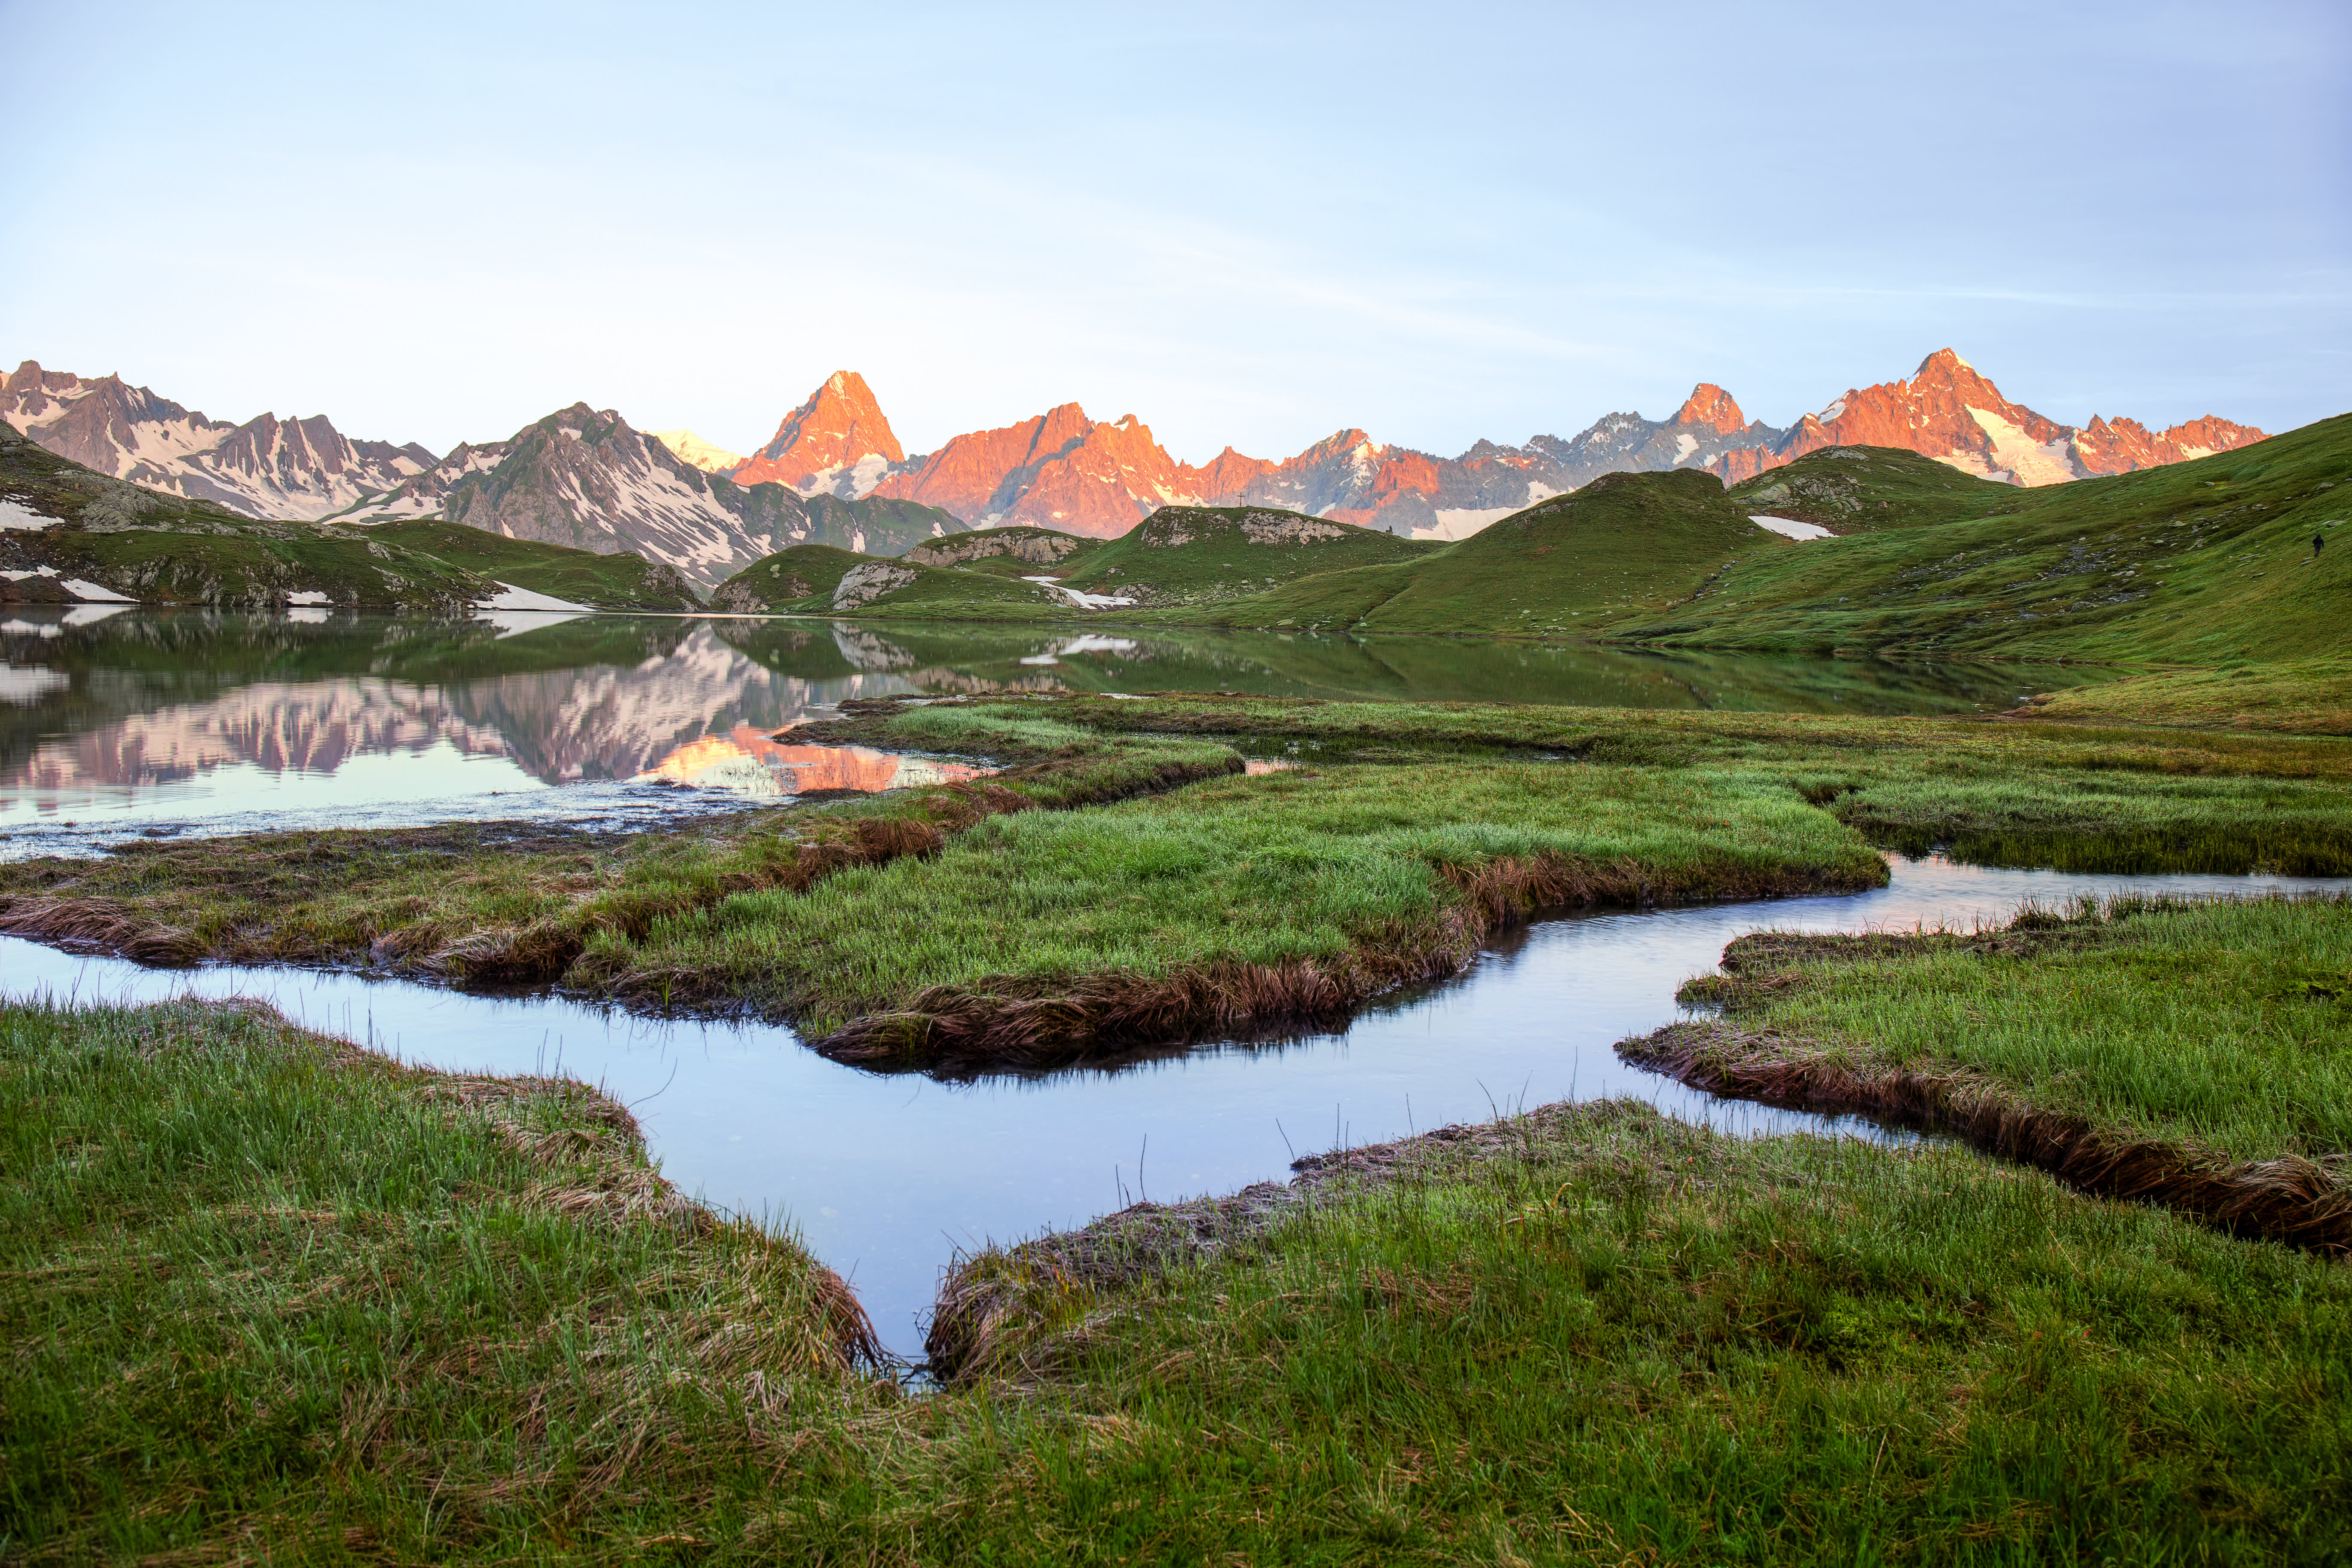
122	721
887	1176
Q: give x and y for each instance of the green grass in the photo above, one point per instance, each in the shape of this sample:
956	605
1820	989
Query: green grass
2079	798
1595	1335
2197	562
1360	864
1860	490
2225	1025
268	1296
620	581
2303	696
1573	566
803	581
1186	555
1267	871
162	550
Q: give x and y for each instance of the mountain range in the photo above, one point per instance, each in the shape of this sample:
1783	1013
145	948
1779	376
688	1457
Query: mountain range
834	473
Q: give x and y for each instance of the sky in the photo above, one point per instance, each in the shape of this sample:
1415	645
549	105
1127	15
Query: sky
1251	225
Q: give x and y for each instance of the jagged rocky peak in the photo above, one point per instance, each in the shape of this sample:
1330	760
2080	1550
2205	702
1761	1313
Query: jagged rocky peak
265	467
1711	407
839	442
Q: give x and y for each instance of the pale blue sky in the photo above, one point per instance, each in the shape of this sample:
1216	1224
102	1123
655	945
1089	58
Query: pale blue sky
1254	224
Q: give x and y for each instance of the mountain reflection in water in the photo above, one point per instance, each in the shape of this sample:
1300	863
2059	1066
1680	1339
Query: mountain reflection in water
336	720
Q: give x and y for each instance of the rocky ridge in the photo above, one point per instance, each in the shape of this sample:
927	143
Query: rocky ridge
1950	412
266	468
1064	470
587	478
837	442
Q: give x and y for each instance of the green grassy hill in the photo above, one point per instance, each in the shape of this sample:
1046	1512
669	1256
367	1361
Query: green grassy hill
161	549
624	582
1191	555
1854	490
1576	565
809	580
2195	563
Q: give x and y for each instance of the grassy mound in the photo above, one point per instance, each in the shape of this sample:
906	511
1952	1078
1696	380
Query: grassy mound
621	582
1005	550
1193	554
1594	1335
1576	565
269	1297
808	579
1856	489
2197	1054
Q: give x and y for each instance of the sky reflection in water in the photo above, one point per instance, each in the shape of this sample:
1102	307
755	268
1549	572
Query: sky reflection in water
885	1176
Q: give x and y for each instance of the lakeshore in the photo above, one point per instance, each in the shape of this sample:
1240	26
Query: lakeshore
1595	1252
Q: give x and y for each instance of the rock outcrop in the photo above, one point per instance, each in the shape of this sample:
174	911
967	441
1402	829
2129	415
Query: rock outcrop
1038	546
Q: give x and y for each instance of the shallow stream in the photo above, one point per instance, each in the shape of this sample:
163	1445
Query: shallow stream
886	1177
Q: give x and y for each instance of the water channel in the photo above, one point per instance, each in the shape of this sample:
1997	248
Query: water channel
887	1176
115	724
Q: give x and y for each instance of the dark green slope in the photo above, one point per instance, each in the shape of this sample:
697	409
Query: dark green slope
159	549
623	582
1854	490
1192	555
1624	545
2194	562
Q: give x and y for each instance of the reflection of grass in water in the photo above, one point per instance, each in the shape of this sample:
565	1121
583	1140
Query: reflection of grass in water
969	657
265	1292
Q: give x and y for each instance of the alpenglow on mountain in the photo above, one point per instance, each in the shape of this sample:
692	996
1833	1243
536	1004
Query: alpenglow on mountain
1062	469
836	473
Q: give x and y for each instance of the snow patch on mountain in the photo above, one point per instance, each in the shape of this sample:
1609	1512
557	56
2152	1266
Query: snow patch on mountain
2024	460
710	458
1790	528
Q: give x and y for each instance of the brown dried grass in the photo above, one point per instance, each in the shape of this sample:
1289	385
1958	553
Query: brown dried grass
2288	1199
102	925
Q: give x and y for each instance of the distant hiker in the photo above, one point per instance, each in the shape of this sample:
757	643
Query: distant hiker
2316	541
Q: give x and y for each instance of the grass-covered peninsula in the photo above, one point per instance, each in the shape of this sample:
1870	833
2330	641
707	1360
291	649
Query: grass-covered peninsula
268	1296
